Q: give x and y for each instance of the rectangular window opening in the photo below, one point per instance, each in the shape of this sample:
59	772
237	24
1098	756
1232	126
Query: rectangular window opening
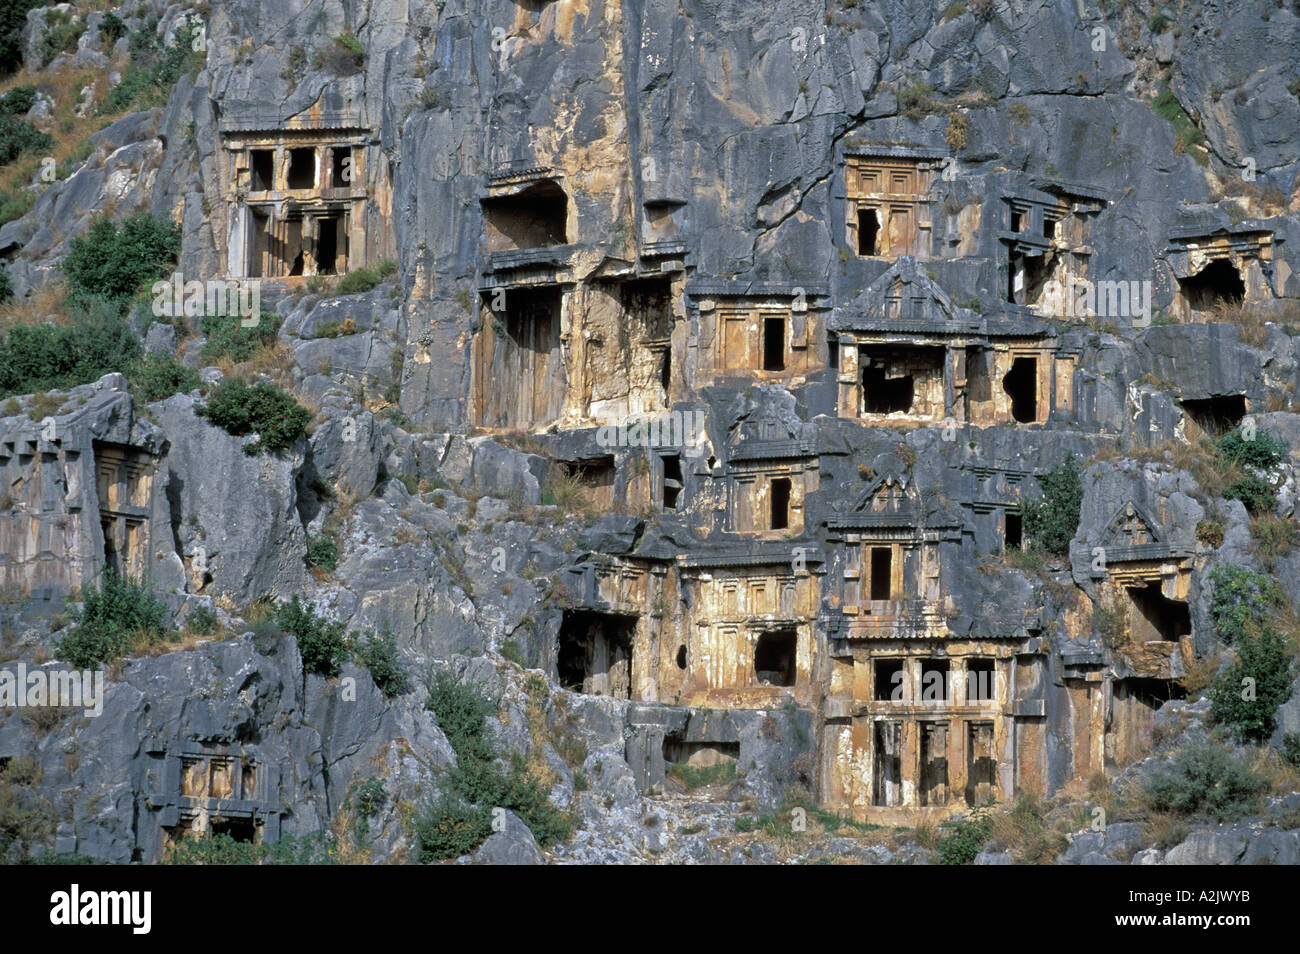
1013	535
261	167
888	682
868	232
780	500
980	675
341	170
595	653
934	680
1021	385
773	344
882	572
329	229
774	658
672	480
302	168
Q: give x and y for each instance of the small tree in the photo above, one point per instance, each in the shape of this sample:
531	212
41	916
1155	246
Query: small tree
966	839
1263	452
276	418
321	641
1243	600
157	377
113	261
1052	519
229	338
116	616
1246	694
50	357
323	552
1205	781
378	653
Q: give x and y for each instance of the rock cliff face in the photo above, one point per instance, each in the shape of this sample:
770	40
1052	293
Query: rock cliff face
716	358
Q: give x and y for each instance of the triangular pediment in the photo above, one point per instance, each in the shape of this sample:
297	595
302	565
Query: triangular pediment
904	293
764	430
1132	526
888	493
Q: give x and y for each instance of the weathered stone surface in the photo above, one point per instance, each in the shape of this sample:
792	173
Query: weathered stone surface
1223	846
237	513
512	845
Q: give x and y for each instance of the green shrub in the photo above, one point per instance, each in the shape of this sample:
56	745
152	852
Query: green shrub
13	17
61	34
316	848
156	377
116	617
363	279
1205	781
370	796
1243	605
1052	519
154	69
228	338
6	285
462	713
1210	532
112	29
114	261
1168	108
18	100
18	136
1243	601
202	621
321	641
916	100
276	418
448	827
1274	537
1264	452
1245	695
22	819
378	653
459	820
966	839
323	552
15	205
1110	622
49	357
1255	493
350	43
343	55
210	849
1291	749
693	778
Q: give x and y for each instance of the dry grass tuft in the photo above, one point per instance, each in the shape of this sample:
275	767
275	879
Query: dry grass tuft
47	306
